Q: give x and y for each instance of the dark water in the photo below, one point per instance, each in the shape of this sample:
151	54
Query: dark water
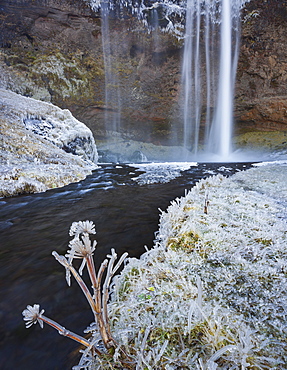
32	226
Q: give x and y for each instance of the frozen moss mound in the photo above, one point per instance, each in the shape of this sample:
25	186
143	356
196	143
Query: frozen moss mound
42	146
211	294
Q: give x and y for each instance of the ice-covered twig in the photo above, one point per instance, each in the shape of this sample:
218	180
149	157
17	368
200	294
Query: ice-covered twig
81	247
63	261
32	315
110	273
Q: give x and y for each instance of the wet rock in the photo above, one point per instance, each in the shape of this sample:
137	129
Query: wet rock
270	113
138	157
107	156
38	125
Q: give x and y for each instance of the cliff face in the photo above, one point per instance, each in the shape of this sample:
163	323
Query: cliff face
50	49
53	50
261	93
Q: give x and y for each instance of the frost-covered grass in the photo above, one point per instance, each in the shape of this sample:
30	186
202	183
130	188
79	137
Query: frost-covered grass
211	294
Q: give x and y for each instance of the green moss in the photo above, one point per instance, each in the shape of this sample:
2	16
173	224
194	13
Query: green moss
262	139
93	66
186	242
124	289
265	242
72	72
124	70
159	335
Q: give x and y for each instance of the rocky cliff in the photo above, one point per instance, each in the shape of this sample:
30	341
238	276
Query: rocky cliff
261	93
53	50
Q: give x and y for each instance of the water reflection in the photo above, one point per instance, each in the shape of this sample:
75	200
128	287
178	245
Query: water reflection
32	226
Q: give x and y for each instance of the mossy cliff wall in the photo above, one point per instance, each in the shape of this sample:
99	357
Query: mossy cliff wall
52	50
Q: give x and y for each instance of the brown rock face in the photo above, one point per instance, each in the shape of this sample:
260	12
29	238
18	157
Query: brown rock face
261	92
53	50
267	113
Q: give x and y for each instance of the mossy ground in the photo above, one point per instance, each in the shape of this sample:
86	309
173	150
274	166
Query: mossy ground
263	140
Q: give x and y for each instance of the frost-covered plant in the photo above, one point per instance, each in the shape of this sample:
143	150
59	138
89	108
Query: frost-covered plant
83	248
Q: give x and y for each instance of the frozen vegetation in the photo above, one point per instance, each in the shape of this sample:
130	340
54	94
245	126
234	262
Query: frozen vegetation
42	146
210	295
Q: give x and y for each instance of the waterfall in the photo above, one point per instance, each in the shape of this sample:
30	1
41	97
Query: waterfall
191	76
219	140
209	87
210	53
155	30
112	85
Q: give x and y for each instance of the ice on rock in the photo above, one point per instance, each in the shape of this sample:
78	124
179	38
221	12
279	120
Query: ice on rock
42	146
50	122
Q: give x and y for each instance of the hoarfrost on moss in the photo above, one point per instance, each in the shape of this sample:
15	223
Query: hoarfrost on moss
38	140
236	316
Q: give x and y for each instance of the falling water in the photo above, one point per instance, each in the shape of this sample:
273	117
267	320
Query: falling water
198	81
191	76
211	40
220	135
112	86
155	30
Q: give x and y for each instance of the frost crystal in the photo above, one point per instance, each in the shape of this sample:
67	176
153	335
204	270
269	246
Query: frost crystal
81	249
32	315
82	227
